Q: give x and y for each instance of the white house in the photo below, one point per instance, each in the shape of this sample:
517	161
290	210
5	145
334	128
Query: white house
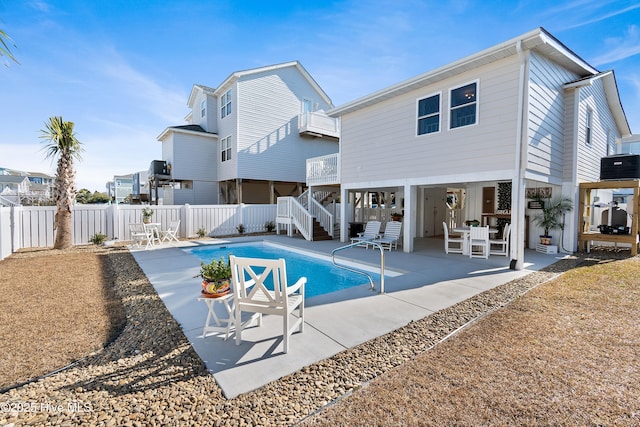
469	140
247	140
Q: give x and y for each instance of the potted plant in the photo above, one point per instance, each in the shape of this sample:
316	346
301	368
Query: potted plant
396	216
147	213
216	277
551	216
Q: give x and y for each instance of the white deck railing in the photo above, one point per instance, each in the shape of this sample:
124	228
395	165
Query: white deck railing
292	213
323	170
319	123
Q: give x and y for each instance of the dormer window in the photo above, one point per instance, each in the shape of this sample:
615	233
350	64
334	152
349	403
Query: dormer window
225	104
203	108
464	101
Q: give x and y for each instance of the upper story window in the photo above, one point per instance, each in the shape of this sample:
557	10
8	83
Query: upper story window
203	108
307	105
464	101
429	115
225	104
225	149
588	130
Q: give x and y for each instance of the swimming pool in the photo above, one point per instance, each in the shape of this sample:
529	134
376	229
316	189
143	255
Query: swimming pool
322	276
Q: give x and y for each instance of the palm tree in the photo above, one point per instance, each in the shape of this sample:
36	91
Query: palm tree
63	144
4	47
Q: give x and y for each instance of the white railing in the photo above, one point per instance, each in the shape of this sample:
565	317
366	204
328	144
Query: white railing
291	212
319	123
32	226
322	215
323	170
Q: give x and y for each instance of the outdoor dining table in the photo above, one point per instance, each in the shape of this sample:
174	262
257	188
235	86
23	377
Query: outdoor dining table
466	231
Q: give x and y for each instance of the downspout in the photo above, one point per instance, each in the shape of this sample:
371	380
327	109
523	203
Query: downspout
519	183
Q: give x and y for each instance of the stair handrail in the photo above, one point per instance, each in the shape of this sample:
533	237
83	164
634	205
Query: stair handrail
370	242
324	217
301	218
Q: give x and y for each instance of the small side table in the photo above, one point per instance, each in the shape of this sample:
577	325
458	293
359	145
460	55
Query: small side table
222	324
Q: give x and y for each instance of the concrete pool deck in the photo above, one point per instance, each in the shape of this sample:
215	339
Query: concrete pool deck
432	280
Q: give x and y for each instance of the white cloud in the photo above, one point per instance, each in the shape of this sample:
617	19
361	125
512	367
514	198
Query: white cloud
618	48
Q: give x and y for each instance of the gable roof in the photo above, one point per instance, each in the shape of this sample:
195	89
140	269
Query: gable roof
186	129
612	95
538	39
234	77
13	179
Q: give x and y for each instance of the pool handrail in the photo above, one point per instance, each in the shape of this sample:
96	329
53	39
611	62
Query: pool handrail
369	242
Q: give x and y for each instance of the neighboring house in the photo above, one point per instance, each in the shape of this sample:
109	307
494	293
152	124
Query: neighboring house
248	139
480	133
121	188
20	187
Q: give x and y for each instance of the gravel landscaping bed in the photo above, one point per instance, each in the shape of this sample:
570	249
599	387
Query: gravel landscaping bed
150	375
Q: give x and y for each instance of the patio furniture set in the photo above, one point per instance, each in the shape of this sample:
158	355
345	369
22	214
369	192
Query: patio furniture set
151	235
251	280
475	241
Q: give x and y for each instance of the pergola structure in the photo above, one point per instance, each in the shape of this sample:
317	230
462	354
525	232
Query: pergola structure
586	235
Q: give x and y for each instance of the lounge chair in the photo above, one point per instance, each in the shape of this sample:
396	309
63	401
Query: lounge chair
250	293
371	232
391	235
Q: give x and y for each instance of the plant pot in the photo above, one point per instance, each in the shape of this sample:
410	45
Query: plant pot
545	240
214	289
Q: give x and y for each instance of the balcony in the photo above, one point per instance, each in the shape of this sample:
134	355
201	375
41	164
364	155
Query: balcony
319	125
323	170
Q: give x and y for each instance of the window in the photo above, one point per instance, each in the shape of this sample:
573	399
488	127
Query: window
306	106
464	102
587	130
429	115
225	104
225	148
203	108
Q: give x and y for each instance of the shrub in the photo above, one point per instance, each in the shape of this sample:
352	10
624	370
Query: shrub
98	238
269	226
201	232
240	228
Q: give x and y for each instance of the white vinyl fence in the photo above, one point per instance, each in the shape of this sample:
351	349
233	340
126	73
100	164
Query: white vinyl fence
32	226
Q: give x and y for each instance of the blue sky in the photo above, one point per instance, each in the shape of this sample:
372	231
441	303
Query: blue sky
122	70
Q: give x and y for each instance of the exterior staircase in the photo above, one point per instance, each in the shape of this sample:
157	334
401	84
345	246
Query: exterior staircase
319	233
306	215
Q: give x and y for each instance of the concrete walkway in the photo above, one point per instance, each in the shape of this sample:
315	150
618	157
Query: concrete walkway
431	281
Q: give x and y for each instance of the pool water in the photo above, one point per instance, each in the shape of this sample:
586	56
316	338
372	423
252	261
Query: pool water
322	276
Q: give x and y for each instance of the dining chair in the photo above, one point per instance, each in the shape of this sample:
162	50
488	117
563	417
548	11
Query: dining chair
479	242
458	241
503	244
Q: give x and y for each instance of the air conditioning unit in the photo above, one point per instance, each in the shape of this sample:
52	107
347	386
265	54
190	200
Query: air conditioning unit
620	166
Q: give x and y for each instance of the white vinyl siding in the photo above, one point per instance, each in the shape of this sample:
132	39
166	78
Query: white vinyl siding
379	142
192	157
592	98
546	115
269	146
